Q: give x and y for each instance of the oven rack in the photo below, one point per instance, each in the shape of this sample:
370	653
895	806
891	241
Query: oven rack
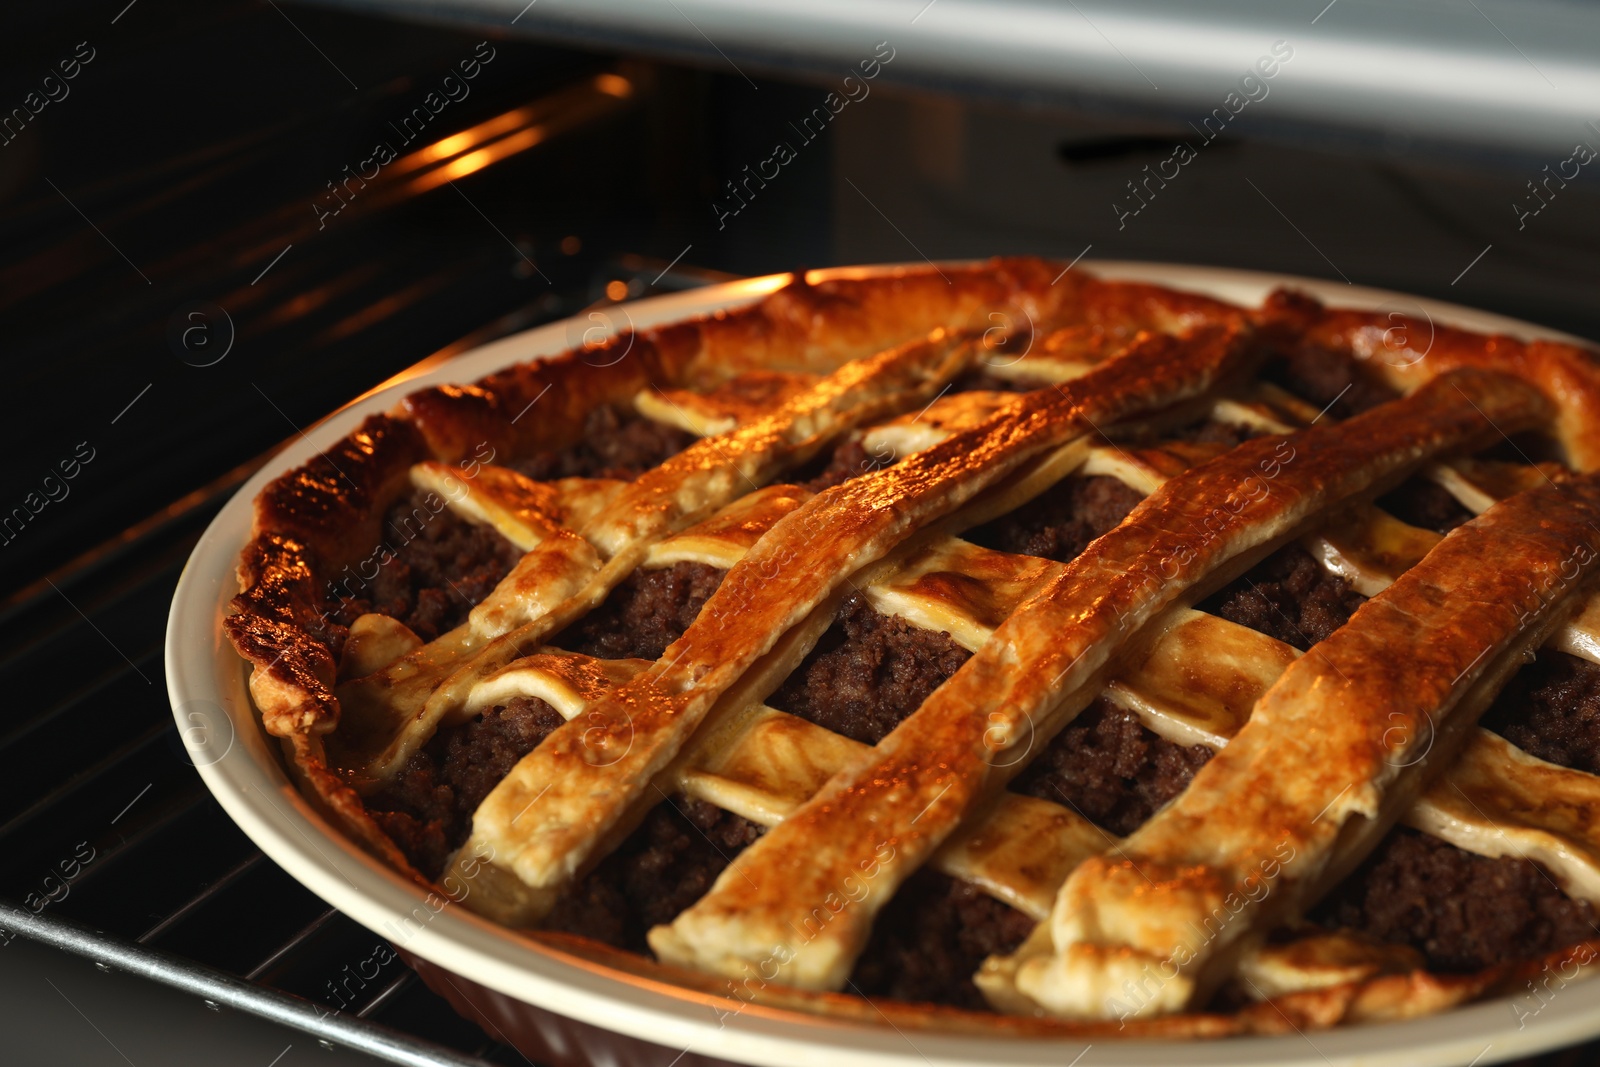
116	852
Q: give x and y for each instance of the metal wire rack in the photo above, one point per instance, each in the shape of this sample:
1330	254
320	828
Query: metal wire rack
115	850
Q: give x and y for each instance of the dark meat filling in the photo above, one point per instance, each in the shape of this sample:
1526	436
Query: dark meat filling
1525	448
644	614
1329	379
427	808
1206	431
849	460
1462	911
1060	522
1212	432
1426	505
660	869
930	939
982	380
868	672
617	442
1107	766
429	572
1551	709
1288	596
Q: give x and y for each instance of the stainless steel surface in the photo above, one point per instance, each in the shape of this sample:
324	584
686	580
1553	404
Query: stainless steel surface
217	991
61	1009
1481	75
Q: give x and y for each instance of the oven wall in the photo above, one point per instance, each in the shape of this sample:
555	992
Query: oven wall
943	177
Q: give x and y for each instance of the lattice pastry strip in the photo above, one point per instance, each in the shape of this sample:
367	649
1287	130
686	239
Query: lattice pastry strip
1330	757
570	793
1495	801
895	530
1049	659
388	714
773	761
505	500
1195	686
765	763
1007	859
1203	675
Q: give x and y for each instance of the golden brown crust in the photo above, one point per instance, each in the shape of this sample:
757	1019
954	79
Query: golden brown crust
308	523
532	406
334	502
802	561
1041	666
313	520
1332	755
814	324
1405	352
803	326
1383	998
342	804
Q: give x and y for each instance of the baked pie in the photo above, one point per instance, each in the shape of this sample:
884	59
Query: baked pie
996	647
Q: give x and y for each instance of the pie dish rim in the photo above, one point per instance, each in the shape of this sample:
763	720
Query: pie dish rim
239	766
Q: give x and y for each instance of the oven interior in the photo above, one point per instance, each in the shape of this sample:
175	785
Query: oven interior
206	248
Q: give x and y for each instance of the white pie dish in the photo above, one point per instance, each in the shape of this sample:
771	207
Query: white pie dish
242	769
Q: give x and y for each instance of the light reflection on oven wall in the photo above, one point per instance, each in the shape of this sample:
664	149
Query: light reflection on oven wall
961	179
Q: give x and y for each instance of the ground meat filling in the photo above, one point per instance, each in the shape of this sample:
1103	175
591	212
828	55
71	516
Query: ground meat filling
930	939
644	614
1425	504
1329	379
1551	709
1461	911
427	808
430	570
1059	523
1288	596
868	672
1464	911
1207	431
1109	768
617	442
849	460
1212	432
660	869
1525	448
982	380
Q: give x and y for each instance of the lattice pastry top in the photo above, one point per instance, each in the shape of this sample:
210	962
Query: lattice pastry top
999	648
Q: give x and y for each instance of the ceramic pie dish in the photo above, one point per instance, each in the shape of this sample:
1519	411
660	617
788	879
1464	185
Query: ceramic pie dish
953	433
